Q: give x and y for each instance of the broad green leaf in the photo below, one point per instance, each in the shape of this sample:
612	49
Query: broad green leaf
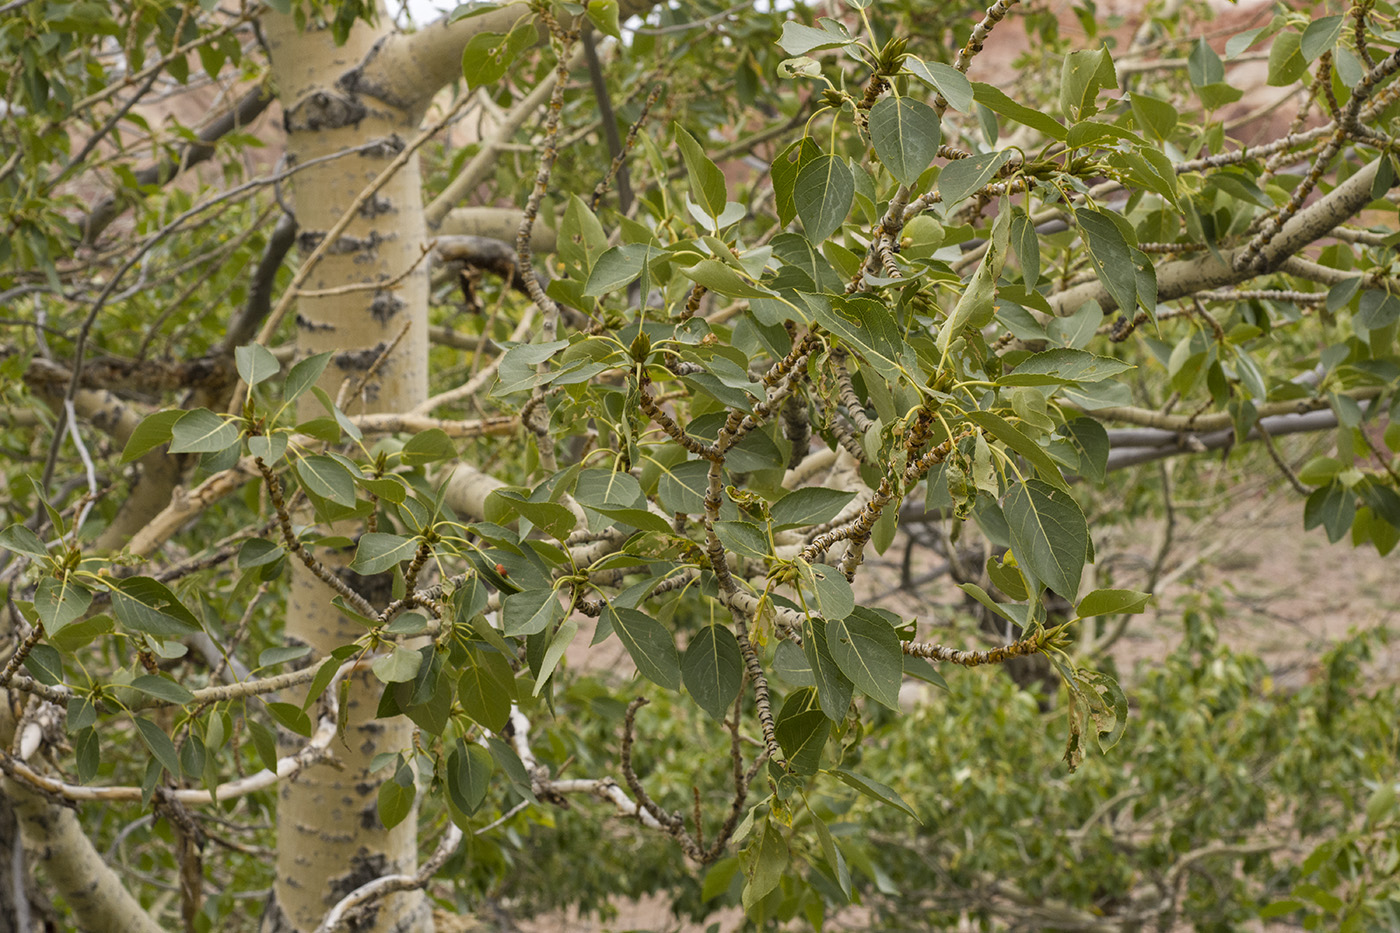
975	308
864	324
255	363
148	606
1203	66
162	688
720	278
784	174
469	770
650	645
550	517
1009	435
994	99
1048	534
810	505
959	179
398	666
619	267
706	180
604	15
834	688
832	592
20	540
396	797
430	446
743	538
377	552
905	134
713	669
1333	507
983	597
682	487
1108	707
798	39
328	478
59	602
303	376
1111	258
868	651
765	861
488	55
946	80
290	717
159	744
530	611
1026	242
1153	116
1286	61
1321	36
1085	73
154	430
1064	366
1108	602
822	195
563	637
875	790
487	688
268	449
200	432
802	729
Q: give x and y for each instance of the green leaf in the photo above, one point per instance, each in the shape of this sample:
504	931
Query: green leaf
328	478
430	446
488	55
619	267
530	611
603	14
304	375
148	606
905	134
834	688
718	277
798	39
265	743
810	505
558	644
946	80
975	308
802	730
1085	73
487	688
713	669
159	744
1108	707
743	538
1108	602
1321	36
832	592
650	645
822	195
1061	365
377	552
1111	258
1286	61
162	688
1203	66
59	602
868	651
396	797
995	99
864	324
875	790
1048	534
706	180
398	666
255	363
154	430
765	862
1333	507
200	432
469	770
291	717
959	179
20	540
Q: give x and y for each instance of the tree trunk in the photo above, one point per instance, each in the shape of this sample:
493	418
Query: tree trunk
330	838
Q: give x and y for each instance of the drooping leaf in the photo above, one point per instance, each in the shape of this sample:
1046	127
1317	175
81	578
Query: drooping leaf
652	648
1048	534
802	729
486	688
875	790
810	505
1109	601
905	134
868	651
713	669
822	196
834	688
706	180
